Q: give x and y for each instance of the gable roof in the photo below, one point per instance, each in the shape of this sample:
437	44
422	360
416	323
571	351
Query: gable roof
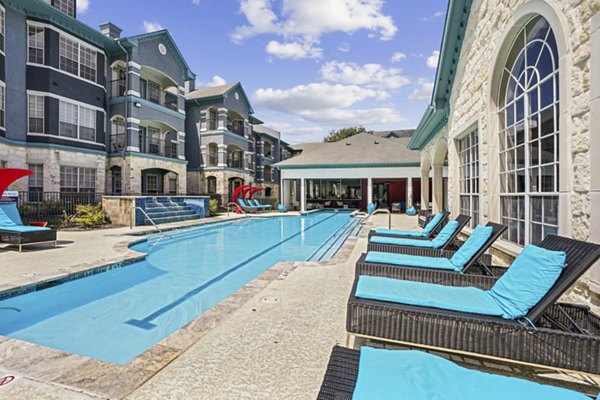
218	92
360	151
436	114
164	34
398	133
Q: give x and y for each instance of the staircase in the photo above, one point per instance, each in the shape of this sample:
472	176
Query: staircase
162	213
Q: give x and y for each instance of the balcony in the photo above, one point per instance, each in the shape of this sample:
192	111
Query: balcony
118	143
118	88
154	94
150	145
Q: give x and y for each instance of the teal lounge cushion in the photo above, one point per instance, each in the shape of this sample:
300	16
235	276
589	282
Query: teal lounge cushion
465	299
445	234
23	228
472	245
379	257
5	220
398	232
12	212
416	375
401	241
243	204
528	279
432	223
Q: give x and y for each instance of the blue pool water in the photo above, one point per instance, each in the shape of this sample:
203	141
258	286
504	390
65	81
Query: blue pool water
116	315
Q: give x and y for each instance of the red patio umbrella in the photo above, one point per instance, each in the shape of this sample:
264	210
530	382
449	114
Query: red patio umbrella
9	175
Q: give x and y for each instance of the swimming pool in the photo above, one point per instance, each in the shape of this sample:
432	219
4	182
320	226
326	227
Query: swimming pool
116	315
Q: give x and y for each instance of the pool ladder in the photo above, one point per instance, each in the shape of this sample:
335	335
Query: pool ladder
148	218
230	208
379	211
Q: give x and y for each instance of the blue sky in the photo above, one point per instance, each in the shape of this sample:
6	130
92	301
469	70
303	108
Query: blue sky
308	66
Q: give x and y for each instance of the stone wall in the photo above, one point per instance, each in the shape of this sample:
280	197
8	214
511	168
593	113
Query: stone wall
197	181
119	209
489	34
132	166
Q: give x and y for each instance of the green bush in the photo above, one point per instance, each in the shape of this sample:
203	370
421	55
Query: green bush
213	207
89	216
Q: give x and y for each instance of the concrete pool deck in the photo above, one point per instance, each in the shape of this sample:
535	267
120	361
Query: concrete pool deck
272	312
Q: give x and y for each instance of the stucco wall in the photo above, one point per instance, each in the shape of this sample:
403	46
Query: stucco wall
490	32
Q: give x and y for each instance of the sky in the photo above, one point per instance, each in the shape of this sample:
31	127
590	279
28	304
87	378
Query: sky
308	66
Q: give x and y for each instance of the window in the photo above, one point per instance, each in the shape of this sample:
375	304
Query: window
211	184
35	44
77	59
77	180
267	174
154	92
36	182
172	185
2	27
2	104
529	161
76	121
151	183
36	113
174	149
213	157
468	154
143	88
153	140
3	164
268	149
117	137
67	6
212	119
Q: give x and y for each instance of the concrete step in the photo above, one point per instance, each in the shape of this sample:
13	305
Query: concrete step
167	219
167	210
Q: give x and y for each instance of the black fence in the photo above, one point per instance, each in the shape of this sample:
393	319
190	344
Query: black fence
53	206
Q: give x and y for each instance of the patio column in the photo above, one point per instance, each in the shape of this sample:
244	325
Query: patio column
438	192
369	191
302	195
222	155
409	193
425	190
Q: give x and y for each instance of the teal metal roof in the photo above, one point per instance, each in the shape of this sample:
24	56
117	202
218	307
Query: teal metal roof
170	42
42	11
436	115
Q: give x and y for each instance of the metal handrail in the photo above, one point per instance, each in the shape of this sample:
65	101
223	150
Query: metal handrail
148	217
379	211
238	206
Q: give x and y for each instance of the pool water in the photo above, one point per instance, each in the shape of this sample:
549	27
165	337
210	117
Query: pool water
116	315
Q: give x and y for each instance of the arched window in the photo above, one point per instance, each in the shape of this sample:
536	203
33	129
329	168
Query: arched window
211	184
213	156
529	110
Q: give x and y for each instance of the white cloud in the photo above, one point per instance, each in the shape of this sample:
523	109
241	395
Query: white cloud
305	21
152	26
83	6
434	16
368	75
327	104
397	57
344	47
195	2
432	60
422	92
216	81
294	50
298	132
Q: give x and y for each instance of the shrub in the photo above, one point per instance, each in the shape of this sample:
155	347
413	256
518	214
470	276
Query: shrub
89	216
213	207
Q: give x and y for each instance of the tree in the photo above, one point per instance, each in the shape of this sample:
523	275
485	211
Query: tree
341	134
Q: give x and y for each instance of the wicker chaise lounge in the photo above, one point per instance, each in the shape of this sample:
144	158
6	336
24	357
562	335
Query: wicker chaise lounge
14	232
444	238
475	264
436	222
341	376
551	335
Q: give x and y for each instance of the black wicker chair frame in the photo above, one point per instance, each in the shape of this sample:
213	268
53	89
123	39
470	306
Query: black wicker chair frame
21	239
341	375
552	336
479	259
435	230
461	219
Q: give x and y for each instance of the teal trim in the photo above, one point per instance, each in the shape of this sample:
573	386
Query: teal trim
436	115
42	11
164	34
34	145
147	103
145	155
329	166
224	95
238	170
225	133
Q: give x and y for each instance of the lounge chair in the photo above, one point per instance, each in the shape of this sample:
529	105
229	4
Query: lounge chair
254	202
543	333
248	208
432	226
443	239
12	230
432	265
381	374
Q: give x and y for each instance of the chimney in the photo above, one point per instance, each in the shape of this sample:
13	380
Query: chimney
111	30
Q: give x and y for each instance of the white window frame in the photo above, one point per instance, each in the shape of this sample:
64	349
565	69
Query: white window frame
469	179
79	118
80	175
33	43
517	207
3	29
2	105
68	8
36	180
39	112
78	48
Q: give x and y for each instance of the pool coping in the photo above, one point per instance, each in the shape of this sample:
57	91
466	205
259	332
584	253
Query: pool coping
105	380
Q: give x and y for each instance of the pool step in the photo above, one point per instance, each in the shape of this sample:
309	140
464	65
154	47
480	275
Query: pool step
330	247
162	213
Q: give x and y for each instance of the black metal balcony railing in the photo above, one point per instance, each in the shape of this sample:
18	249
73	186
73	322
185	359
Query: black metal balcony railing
118	88
117	142
235	164
171	101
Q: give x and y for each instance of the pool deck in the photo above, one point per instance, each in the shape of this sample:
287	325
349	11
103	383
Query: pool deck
271	337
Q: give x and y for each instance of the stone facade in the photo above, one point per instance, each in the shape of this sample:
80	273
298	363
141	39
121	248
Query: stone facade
489	35
197	181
